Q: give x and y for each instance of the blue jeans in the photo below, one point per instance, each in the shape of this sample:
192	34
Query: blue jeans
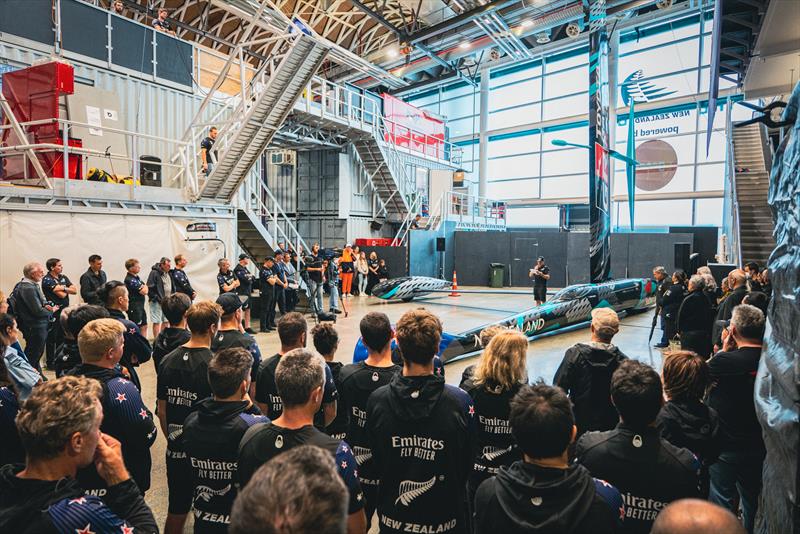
334	297
737	472
315	293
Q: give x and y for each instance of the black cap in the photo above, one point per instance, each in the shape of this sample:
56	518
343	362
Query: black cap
229	302
242	256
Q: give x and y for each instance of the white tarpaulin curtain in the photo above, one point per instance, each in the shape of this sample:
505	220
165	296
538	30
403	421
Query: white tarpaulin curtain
36	236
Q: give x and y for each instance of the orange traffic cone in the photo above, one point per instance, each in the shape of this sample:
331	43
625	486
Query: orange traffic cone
454	292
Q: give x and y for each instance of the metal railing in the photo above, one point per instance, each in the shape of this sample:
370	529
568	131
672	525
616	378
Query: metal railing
731	230
129	169
405	226
474	210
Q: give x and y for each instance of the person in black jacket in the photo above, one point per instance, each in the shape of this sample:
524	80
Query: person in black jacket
211	437
543	492
267	279
137	291
182	383
76	318
685	421
673	298
733	374
92	280
59	426
695	319
33	312
125	416
498	376
159	287
358	381
586	370
229	334
737	282
137	349
648	471
245	288
663	281
423	437
326	341
180	281
177	333
57	288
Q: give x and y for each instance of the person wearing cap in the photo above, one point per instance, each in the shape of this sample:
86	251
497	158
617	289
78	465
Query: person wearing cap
245	289
230	334
585	374
540	274
268	280
347	268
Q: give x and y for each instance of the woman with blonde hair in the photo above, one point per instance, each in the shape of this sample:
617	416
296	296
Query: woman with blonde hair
496	378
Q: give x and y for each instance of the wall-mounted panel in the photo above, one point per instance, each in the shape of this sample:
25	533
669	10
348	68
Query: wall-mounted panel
131	46
174	59
31	20
75	19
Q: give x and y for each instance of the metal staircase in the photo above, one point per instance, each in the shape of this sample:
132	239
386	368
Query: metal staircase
752	190
273	93
389	179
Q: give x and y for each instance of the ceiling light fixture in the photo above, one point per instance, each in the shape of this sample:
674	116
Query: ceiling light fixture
392	52
464	45
527	23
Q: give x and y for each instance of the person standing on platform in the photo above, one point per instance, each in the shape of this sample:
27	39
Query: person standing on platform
137	290
179	279
207	153
159	287
93	279
268	280
57	288
226	280
245	289
540	274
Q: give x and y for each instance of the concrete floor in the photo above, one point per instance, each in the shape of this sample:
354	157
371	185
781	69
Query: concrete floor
457	314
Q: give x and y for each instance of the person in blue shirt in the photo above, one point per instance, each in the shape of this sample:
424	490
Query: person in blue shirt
137	291
23	374
268	280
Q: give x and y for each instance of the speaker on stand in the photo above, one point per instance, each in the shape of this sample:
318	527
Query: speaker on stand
440	249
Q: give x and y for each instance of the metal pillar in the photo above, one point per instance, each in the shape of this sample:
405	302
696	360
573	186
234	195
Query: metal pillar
483	137
599	163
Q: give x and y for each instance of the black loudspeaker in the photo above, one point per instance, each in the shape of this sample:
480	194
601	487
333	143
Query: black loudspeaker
682	262
376	225
440	244
150	171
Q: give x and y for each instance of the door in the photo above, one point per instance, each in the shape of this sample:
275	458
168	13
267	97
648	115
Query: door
525	252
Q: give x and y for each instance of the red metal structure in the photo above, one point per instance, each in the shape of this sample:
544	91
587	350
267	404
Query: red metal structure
34	94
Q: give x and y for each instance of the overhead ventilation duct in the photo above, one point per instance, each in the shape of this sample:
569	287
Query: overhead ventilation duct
574	29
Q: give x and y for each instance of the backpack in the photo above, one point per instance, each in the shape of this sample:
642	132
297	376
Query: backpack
13	303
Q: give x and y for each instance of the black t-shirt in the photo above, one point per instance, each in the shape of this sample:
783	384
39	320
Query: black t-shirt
211	437
357	382
207	144
245	280
541	281
134	284
182	382
267	391
226	339
265	441
733	376
496	445
49	282
338	427
315	262
648	471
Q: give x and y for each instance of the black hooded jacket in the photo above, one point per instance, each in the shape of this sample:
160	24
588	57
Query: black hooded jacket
126	418
155	284
648	471
526	498
585	374
168	340
422	434
691	425
211	437
56	506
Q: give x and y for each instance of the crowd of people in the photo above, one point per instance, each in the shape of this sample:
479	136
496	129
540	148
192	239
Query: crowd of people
298	442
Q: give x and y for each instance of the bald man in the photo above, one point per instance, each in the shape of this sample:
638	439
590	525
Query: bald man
694	516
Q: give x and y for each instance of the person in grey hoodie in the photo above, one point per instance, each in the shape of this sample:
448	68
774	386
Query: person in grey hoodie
544	492
33	312
585	374
159	287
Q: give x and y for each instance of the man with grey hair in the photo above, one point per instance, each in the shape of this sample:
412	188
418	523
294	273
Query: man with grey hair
663	280
585	374
696	318
271	499
226	278
300	381
159	287
733	374
32	311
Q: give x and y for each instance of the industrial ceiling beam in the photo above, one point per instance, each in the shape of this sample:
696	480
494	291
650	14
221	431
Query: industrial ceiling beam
458	20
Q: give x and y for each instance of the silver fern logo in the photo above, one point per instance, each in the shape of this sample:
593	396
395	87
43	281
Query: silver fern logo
205	492
636	88
493	453
411	489
175	431
362	454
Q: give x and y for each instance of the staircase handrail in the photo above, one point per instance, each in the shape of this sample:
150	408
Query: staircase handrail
400	238
276	215
732	220
362	170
